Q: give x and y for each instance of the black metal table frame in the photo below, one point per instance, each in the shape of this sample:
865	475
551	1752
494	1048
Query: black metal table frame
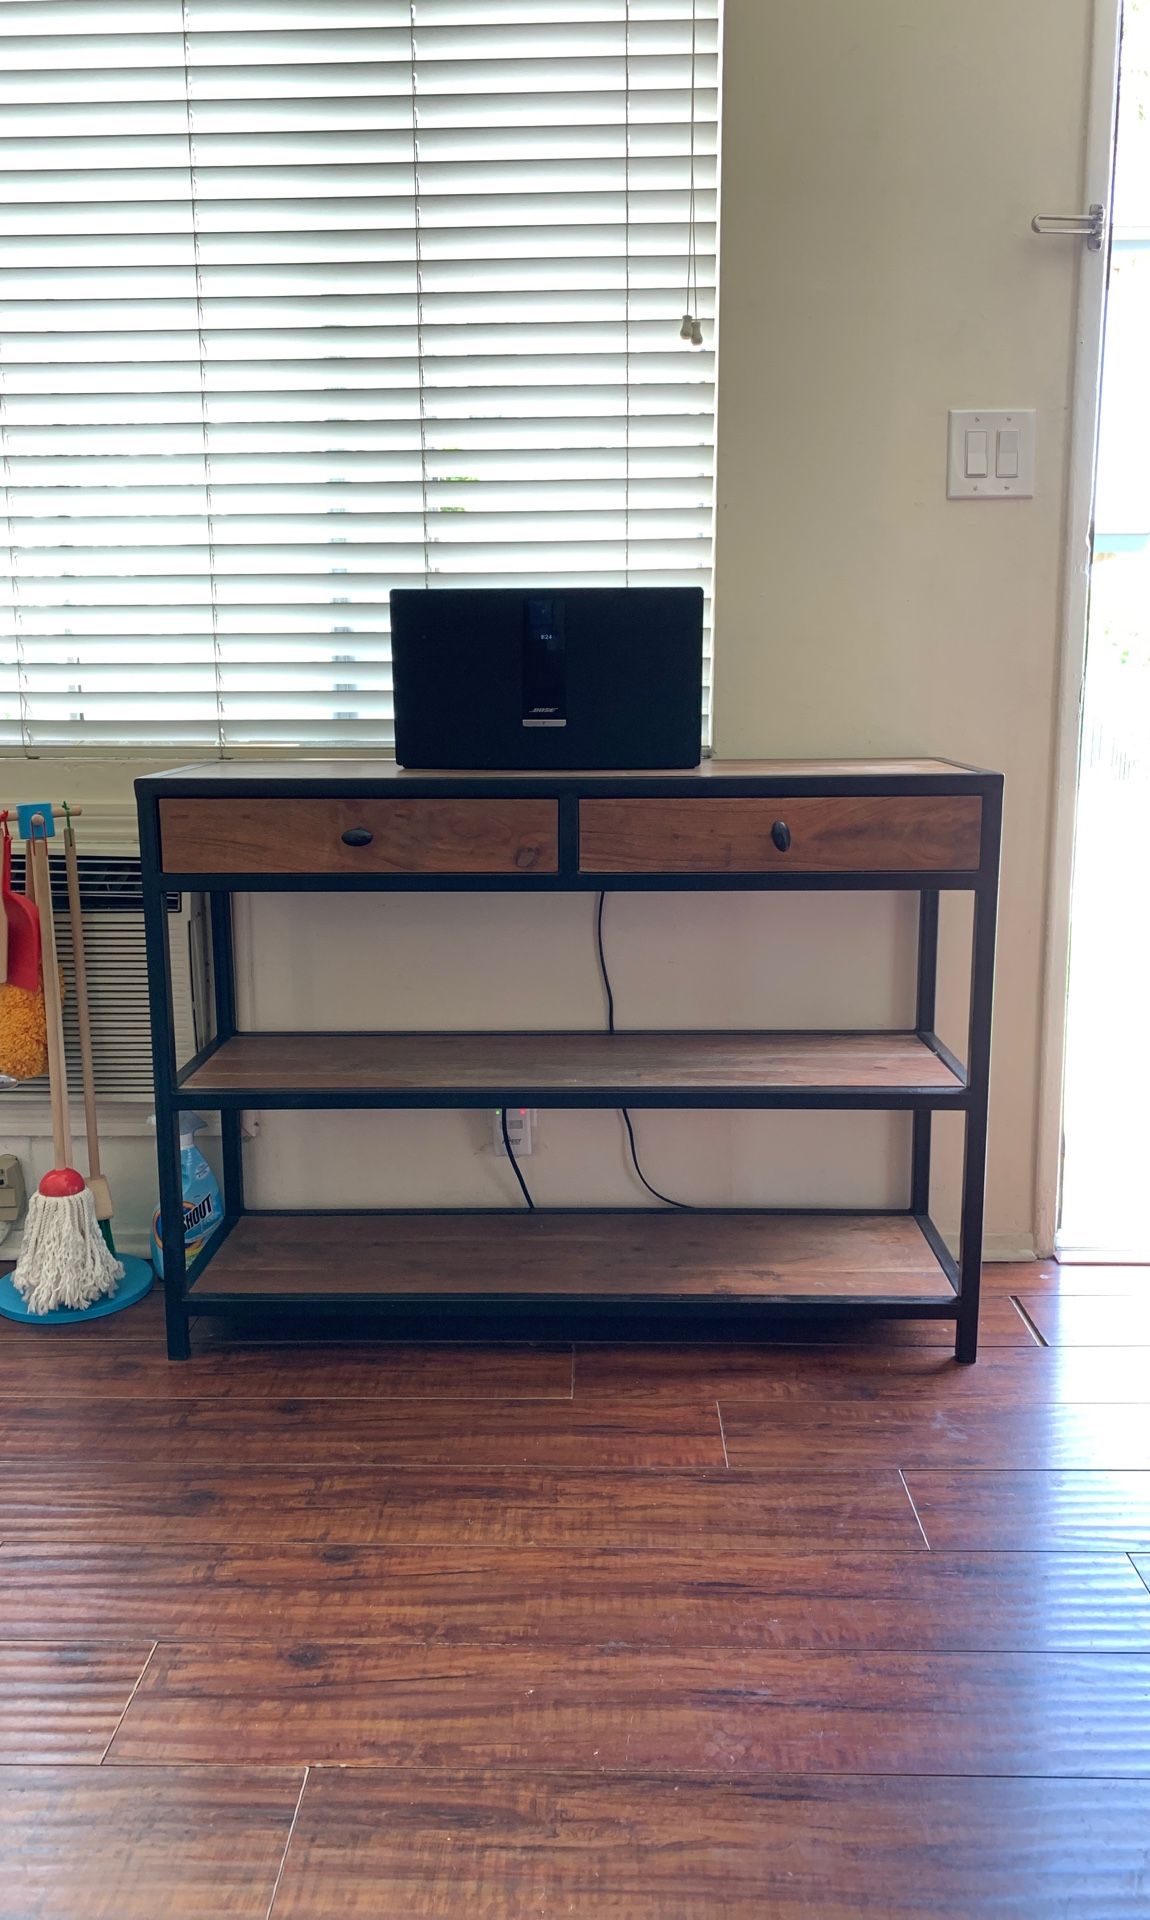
971	1097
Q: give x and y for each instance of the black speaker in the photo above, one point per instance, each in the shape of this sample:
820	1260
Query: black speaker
580	677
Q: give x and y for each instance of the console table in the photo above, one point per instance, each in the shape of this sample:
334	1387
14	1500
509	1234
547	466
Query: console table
369	826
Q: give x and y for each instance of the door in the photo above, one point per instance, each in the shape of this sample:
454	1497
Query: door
1105	1192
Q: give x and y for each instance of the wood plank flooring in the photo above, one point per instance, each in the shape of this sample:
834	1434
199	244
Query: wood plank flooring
643	1632
718	1509
207	1432
65	1700
710	1711
373	1844
134	1844
672	1597
223	1369
1090	1319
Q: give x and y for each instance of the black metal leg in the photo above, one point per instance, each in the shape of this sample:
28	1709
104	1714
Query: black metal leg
167	1118
232	1161
974	1155
172	1228
223	964
224	987
920	1162
924	1023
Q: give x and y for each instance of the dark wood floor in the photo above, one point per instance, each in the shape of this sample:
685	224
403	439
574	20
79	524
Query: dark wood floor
625	1633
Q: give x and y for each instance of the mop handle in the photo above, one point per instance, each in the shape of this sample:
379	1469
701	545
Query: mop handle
53	1012
83	1017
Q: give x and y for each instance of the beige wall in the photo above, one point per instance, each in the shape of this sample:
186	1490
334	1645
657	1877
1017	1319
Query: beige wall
881	162
880	167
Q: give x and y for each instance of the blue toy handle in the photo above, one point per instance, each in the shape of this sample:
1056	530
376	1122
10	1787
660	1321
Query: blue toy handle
26	815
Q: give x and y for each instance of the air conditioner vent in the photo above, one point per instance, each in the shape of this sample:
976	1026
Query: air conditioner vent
112	899
109	882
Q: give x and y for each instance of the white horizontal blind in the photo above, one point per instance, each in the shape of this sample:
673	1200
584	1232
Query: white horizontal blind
301	300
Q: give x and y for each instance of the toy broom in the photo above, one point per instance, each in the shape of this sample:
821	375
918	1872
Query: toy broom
64	1261
23	1038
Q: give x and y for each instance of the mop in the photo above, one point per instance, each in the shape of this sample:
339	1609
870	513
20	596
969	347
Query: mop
64	1260
98	1185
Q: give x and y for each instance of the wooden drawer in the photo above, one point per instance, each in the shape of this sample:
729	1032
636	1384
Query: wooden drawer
904	833
406	836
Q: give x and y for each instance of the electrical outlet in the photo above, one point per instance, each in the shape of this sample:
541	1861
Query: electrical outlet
520	1130
11	1188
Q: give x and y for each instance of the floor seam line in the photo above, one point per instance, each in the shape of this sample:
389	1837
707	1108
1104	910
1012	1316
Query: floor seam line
288	1841
723	1436
914	1510
1028	1322
129	1700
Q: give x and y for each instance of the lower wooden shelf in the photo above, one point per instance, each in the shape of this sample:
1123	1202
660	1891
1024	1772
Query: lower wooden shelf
773	1258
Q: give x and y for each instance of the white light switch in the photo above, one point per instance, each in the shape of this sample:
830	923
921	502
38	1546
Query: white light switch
975	465
990	454
1006	455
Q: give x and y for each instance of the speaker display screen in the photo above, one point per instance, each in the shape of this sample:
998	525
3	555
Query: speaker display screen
544	664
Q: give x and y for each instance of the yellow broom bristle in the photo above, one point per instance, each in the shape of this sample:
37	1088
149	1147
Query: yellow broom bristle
23	1034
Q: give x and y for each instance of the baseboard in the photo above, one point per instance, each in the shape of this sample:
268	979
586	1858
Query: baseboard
1103	1257
1005	1247
996	1246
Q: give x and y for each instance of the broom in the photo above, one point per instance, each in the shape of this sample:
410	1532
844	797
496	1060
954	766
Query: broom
23	1040
100	1190
64	1261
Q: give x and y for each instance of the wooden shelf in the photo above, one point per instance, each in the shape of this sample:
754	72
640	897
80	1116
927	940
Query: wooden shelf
925	826
574	1069
771	1258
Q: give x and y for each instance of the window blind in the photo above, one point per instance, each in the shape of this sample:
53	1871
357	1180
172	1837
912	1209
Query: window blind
301	300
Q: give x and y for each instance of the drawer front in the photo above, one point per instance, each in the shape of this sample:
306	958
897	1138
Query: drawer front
905	833
359	836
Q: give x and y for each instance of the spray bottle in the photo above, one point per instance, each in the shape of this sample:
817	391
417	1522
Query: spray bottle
203	1206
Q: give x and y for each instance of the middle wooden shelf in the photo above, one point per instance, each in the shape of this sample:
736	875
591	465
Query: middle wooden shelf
576	1069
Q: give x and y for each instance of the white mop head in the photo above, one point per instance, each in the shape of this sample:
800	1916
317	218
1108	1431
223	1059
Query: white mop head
64	1260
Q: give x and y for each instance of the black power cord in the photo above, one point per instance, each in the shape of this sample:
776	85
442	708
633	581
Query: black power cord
509	1150
683	1206
603	973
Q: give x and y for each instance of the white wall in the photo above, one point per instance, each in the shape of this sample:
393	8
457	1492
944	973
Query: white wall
880	166
493	961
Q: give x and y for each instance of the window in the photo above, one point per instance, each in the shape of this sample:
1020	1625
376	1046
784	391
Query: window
304	299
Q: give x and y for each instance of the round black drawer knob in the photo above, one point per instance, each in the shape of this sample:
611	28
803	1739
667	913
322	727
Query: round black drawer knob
357	837
781	835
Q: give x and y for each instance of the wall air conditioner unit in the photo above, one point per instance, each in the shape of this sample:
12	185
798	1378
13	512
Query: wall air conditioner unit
111	899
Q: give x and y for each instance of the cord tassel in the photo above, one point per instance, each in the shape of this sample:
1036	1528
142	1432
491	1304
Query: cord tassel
691	328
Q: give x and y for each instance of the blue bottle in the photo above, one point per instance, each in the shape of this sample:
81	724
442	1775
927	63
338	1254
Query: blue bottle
203	1206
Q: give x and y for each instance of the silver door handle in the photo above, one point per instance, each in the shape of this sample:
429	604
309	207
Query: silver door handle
1091	225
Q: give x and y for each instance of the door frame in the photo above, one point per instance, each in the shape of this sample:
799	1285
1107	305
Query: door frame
1097	185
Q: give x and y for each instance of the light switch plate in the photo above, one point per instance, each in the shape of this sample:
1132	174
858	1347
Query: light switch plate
990	454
